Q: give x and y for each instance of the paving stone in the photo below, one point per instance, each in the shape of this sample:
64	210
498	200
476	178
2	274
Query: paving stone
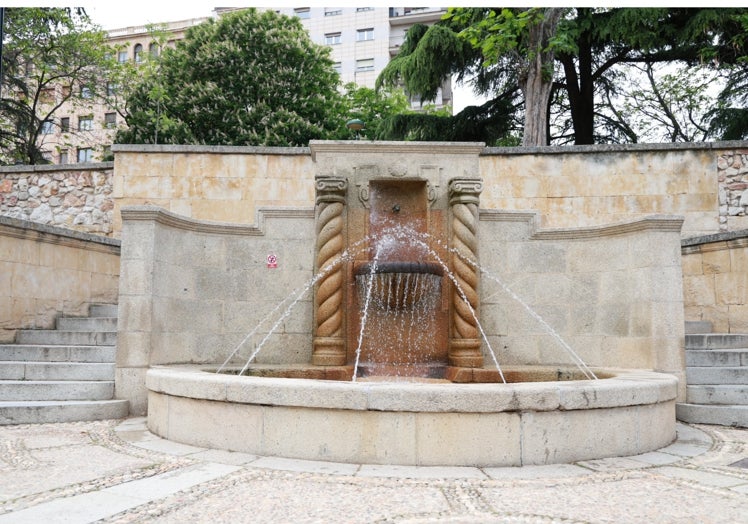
613	464
120	473
419	472
537	472
167	446
702	477
656	458
684	449
224	457
308	466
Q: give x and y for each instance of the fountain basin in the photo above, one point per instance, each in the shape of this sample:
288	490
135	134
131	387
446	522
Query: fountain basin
407	423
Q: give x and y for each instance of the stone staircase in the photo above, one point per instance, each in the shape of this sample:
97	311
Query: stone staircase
62	375
717	380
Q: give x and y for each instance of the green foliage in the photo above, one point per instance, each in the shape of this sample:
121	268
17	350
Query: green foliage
593	48
417	67
488	123
45	49
373	107
248	78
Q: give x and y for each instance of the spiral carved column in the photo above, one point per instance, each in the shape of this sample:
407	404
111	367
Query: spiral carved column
329	340
465	341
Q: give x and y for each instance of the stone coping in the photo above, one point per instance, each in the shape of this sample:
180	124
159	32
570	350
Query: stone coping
204	149
474	147
617	148
20	228
652	223
46	168
623	388
171	219
716	237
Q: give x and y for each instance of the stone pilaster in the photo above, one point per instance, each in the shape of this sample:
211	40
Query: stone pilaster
464	341
329	337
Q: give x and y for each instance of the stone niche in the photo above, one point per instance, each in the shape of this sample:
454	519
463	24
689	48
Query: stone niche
401	215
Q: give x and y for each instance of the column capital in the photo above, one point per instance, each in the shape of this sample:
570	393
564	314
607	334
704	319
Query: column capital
464	190
330	188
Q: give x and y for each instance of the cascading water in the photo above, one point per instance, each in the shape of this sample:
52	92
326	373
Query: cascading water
404	296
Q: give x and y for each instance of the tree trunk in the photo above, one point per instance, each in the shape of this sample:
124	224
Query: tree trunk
537	80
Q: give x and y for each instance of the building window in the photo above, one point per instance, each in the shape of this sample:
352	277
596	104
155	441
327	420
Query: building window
332	38
64	156
122	57
302	12
110	120
334	11
65	124
154	50
48	127
111	89
367	64
86	92
85	123
365	34
361	9
337	66
85	154
138	53
47	95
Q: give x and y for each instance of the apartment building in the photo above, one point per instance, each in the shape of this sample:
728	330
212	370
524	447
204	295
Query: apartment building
362	40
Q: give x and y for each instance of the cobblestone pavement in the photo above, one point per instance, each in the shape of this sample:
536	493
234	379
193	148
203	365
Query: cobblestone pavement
116	471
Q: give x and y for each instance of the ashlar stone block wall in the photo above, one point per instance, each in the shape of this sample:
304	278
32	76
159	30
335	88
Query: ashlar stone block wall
198	292
715	280
204	292
46	272
219	183
610	295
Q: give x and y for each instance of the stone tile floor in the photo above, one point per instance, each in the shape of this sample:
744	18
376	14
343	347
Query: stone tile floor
117	471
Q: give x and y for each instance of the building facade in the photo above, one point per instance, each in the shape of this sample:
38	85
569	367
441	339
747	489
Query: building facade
362	40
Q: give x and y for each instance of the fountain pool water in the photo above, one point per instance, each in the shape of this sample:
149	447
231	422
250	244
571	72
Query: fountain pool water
397	374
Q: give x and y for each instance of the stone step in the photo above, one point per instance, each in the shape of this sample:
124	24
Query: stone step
14	370
18	390
717	341
716	375
86	324
103	310
717	394
66	338
698	326
41	412
717	357
47	353
710	414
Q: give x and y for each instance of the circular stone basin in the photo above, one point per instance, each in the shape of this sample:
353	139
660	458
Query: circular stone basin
410	423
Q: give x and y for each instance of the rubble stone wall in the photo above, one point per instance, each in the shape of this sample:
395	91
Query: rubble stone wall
76	197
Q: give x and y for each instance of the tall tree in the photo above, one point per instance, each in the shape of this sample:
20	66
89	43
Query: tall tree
248	78
50	56
730	116
589	45
526	37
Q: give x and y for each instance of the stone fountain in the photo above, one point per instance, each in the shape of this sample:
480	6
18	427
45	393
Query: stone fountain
409	347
